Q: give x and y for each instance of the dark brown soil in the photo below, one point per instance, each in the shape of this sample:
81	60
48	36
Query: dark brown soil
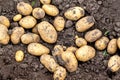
107	15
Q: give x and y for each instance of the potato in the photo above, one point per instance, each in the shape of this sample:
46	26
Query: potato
85	53
74	13
85	23
93	35
35	30
17	32
79	41
49	62
118	42
30	38
114	63
38	13
5	21
17	17
28	22
47	32
102	43
24	8
59	23
72	49
37	49
60	73
19	56
45	1
112	46
50	9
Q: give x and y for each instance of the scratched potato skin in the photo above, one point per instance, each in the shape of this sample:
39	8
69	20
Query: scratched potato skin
5	21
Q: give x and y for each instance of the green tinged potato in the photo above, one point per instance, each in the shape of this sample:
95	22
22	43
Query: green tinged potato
45	1
5	21
17	17
118	42
80	41
19	56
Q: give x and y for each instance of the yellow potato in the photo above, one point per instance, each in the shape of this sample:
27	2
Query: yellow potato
45	1
85	53
24	8
79	41
5	21
28	22
17	17
74	13
50	9
17	32
37	49
85	23
35	30
118	42
19	56
114	63
93	35
72	49
47	32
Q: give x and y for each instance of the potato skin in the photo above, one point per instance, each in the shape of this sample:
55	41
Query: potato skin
45	1
35	30
80	42
5	21
85	53
93	35
47	32
85	23
19	56
72	49
74	13
118	42
17	17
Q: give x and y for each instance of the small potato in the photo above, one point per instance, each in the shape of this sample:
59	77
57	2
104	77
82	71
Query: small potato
85	23
50	9
114	63
49	62
102	43
35	30
30	38
118	42
17	32
37	49
24	8
80	42
74	13
28	22
17	17
5	21
45	1
47	32
112	46
19	56
38	13
93	35
72	49
59	23
85	53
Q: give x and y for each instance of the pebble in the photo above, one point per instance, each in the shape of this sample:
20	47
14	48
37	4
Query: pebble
68	24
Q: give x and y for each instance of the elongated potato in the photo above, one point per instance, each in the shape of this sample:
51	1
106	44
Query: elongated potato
37	49
93	35
79	41
72	49
74	13
5	21
85	53
35	30
118	42
45	1
85	23
47	32
19	56
17	17
112	46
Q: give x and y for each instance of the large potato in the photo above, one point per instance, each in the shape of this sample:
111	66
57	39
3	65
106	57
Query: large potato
24	8
118	42
74	13
79	41
85	23
17	32
37	49
19	56
17	17
93	35
5	21
45	1
85	53
47	32
35	30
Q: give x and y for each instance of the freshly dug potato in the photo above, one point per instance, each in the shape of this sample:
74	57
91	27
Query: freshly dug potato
37	49
59	23
45	1
114	63
28	22
49	62
19	56
50	9
93	35
85	23
47	32
112	46
74	13
79	41
102	43
85	53
38	13
24	8
35	30
72	49
17	32
5	21
17	17
30	38
118	42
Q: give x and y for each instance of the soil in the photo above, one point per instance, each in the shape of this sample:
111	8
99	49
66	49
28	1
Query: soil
107	16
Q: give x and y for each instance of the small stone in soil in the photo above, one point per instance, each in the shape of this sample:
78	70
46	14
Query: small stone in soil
68	24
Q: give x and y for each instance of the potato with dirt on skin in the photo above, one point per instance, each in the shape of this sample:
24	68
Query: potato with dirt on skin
79	41
35	30
72	49
45	1
19	56
118	42
5	21
85	23
17	17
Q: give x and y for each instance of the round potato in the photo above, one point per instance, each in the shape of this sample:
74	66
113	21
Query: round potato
5	21
74	13
80	41
45	1
24	8
85	53
93	35
85	23
17	17
47	32
118	42
19	56
28	22
35	30
72	49
50	9
37	49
